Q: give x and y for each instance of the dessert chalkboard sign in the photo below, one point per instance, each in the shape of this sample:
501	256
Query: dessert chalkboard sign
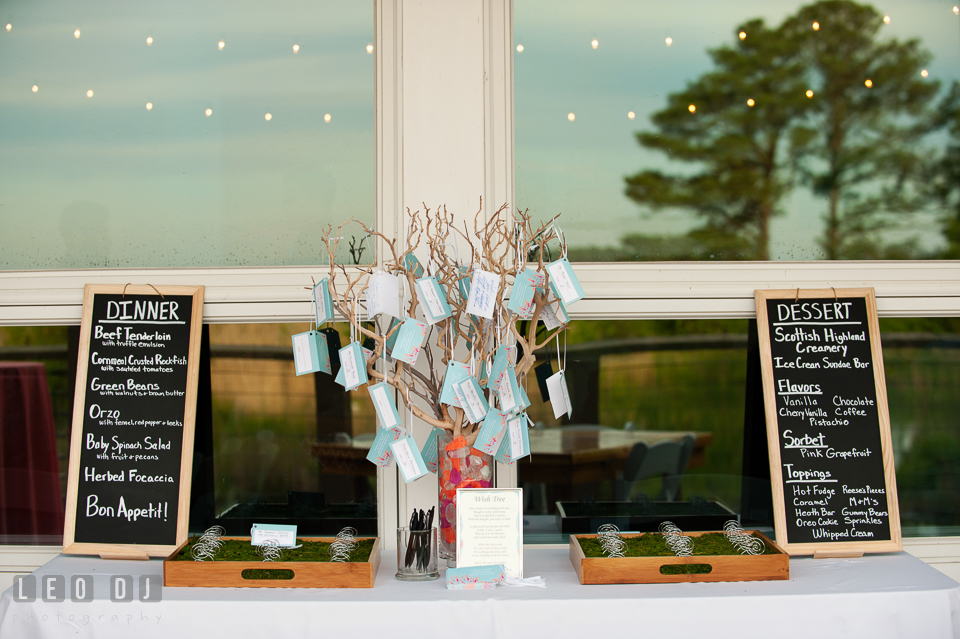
828	426
131	445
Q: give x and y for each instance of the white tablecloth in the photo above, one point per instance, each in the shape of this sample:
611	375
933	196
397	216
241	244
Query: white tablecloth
878	596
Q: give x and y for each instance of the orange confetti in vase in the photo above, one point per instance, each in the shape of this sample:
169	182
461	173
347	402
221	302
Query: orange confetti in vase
461	466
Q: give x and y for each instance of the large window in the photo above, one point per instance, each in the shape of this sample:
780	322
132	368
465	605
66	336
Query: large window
180	134
737	130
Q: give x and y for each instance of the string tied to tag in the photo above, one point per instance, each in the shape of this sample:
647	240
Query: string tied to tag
124	293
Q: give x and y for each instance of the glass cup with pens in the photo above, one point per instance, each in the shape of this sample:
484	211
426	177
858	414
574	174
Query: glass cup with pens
417	548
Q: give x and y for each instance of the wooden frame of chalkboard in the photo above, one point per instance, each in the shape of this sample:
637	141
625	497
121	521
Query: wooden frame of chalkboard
131	444
828	424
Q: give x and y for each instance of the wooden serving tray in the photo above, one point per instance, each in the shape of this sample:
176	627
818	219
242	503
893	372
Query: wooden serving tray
306	574
646	570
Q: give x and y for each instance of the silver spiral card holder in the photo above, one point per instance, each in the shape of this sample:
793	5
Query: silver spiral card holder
743	541
676	541
208	545
610	541
344	544
270	550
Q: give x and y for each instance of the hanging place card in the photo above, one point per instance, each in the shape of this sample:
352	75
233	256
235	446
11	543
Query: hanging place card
521	296
554	313
564	281
515	443
408	457
483	293
383	295
367	355
386	410
505	358
435	307
559	397
322	301
472	401
353	366
410	340
310	354
413	265
380	452
456	373
429	450
509	392
392	336
488	438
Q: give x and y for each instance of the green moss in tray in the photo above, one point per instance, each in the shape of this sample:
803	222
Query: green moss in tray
241	550
653	545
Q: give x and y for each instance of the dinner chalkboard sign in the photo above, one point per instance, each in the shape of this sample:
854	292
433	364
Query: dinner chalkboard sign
131	446
828	426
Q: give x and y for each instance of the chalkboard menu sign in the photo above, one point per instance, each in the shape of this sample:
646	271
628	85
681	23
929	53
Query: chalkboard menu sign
131	446
828	426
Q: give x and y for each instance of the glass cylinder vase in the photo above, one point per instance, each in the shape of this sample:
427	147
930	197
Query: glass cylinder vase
461	466
417	555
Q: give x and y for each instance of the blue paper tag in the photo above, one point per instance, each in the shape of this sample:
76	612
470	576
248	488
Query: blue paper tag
412	264
367	354
504	359
392	337
380	453
564	281
383	404
472	401
322	301
429	450
310	353
475	577
285	535
488	438
515	443
524	288
509	392
456	373
408	457
412	336
353	365
433	299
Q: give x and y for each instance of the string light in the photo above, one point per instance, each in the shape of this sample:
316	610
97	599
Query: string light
816	26
296	48
369	48
868	83
149	40
750	102
594	43
268	117
519	48
924	73
326	117
221	45
631	114
89	93
809	93
149	106
571	116
692	108
886	19
76	34
34	88
208	112
743	35
956	10
9	26
669	41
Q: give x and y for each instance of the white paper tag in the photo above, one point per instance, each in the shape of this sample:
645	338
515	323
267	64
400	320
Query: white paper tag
383	404
559	399
508	400
561	280
348	361
302	353
428	292
483	293
383	295
549	317
516	436
285	535
470	401
404	455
